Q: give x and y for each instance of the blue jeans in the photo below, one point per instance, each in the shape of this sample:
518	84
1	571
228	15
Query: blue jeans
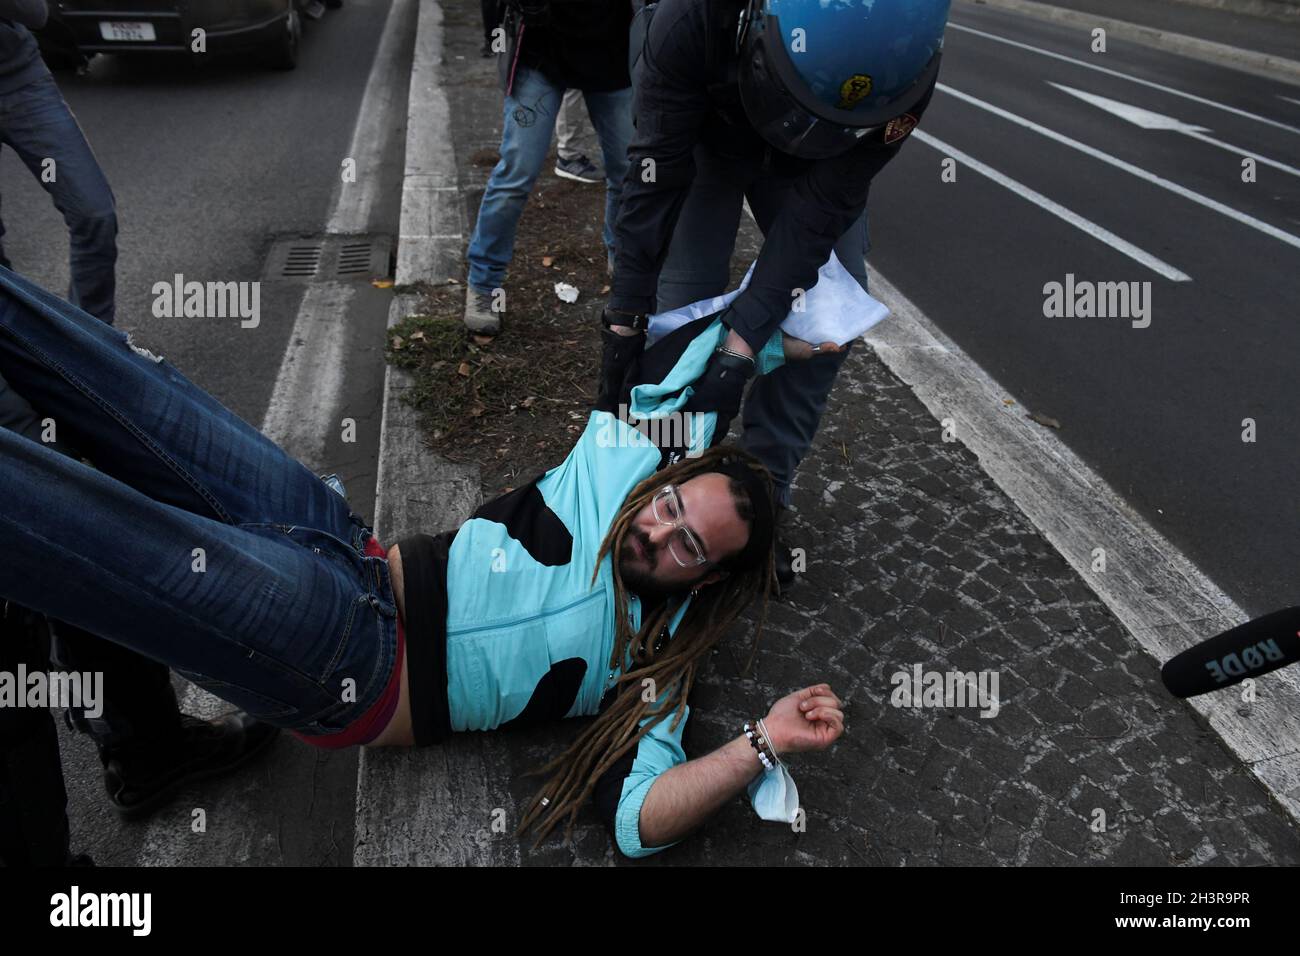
528	122
36	123
195	540
783	410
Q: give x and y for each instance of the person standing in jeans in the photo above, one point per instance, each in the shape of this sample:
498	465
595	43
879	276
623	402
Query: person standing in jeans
148	748
552	47
37	124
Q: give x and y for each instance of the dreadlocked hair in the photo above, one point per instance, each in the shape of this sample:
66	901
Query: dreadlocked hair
672	667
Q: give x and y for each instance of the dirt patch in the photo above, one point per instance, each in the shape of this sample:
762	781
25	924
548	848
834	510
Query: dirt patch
514	404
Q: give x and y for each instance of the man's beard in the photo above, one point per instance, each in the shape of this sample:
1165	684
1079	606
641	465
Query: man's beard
635	578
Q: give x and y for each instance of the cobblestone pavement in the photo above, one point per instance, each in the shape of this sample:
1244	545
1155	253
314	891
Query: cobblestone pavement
916	558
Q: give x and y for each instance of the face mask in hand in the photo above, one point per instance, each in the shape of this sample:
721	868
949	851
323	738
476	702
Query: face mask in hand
774	795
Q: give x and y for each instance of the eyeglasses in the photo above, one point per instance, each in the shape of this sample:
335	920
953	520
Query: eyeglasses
683	545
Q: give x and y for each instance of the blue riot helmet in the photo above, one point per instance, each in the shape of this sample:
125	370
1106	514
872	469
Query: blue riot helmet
818	75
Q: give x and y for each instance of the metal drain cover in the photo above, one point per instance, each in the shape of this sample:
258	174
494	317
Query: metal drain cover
329	259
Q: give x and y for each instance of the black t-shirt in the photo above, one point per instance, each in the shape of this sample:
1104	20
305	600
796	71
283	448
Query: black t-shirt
581	45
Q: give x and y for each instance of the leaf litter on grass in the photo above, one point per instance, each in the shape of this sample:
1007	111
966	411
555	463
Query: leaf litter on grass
514	404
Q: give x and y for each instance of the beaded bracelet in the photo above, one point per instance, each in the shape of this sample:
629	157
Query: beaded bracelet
767	738
759	744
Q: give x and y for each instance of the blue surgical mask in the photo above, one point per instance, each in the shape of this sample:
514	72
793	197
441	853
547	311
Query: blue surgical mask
774	795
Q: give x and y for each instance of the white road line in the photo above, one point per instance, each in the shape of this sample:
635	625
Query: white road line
1056	209
1125	76
309	383
1288	99
299	417
1223	210
1165	601
1146	119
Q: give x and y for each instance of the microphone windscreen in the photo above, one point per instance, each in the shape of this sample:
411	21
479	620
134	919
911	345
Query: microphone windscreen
1248	650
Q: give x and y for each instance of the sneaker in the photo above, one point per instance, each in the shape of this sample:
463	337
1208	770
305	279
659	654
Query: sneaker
141	777
580	169
479	317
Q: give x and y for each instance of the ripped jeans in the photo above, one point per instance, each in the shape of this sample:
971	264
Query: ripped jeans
528	123
195	540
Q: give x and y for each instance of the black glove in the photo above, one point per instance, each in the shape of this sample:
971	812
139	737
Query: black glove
617	357
721	388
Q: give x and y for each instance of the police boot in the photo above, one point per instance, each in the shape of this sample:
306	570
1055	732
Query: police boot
141	776
784	557
149	749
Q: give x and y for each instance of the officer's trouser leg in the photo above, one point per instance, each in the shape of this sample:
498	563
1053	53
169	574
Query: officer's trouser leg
33	801
699	256
784	409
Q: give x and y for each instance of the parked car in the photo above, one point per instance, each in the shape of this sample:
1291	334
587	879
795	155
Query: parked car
271	28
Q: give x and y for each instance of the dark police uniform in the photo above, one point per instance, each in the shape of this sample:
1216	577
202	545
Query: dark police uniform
693	159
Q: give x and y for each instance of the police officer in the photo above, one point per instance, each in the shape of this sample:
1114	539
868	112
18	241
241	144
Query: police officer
794	106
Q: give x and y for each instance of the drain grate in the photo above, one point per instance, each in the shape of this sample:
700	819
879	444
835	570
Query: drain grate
329	259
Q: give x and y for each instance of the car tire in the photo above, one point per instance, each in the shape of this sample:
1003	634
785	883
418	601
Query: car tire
282	54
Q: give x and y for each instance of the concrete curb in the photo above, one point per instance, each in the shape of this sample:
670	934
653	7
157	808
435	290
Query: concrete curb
1163	600
1284	11
410	803
1248	61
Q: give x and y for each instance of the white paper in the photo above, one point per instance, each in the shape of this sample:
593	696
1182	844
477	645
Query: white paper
836	309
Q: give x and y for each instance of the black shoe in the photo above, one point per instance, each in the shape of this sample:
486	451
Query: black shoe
784	559
142	777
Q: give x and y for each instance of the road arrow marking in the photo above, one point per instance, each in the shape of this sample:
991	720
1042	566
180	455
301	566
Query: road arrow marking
1125	76
1236	215
1149	120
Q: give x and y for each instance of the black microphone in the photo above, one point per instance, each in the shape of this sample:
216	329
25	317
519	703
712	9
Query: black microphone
1248	650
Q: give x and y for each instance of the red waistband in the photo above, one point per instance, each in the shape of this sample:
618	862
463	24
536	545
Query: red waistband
372	723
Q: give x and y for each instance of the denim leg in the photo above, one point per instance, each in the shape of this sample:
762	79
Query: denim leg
271	622
698	263
611	117
783	410
528	120
37	123
143	422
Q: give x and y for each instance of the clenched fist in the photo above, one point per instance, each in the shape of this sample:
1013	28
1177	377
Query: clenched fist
808	719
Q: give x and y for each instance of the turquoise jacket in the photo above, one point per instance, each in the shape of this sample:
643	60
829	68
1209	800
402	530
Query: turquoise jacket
529	636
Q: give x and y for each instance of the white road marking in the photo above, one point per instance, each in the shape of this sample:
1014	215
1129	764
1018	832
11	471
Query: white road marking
1223	210
1125	76
1056	209
309	384
1158	121
307	390
1288	99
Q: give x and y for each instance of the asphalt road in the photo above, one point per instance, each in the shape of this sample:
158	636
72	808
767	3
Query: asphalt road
1157	411
209	165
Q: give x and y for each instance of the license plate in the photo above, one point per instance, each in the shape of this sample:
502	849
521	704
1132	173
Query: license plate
128	30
